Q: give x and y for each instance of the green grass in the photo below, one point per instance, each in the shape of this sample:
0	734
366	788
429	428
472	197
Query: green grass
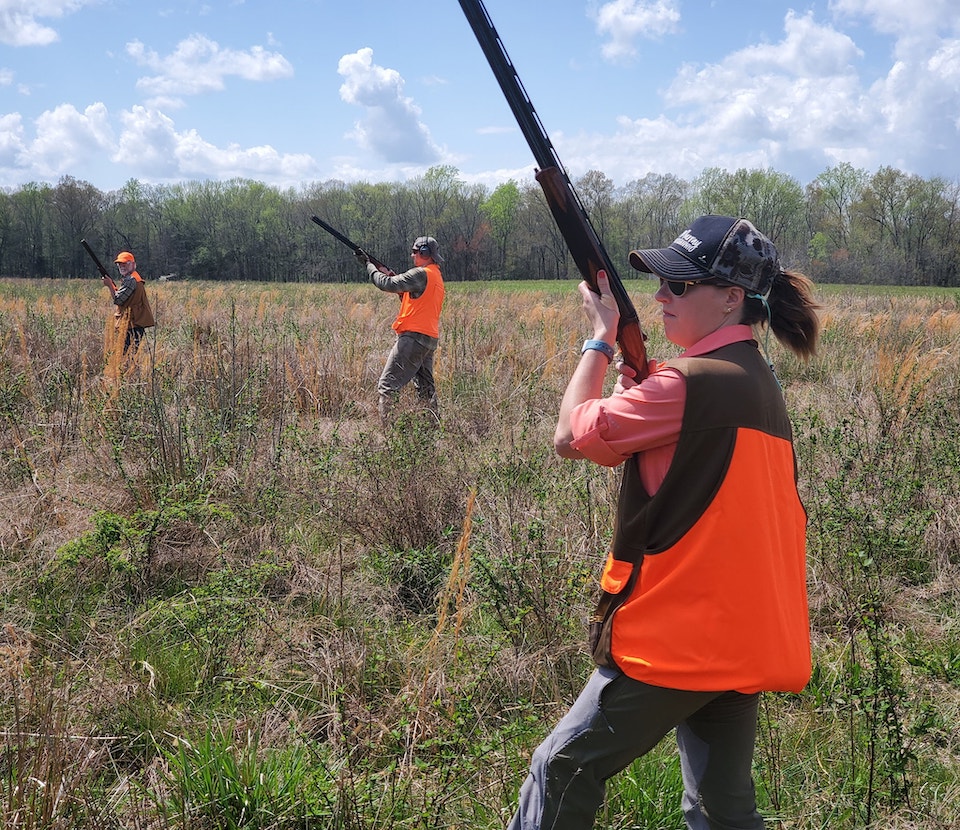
228	596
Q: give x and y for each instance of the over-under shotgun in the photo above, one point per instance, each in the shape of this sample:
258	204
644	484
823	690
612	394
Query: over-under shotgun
571	217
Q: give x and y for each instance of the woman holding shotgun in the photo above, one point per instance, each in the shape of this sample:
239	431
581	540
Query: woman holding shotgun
703	601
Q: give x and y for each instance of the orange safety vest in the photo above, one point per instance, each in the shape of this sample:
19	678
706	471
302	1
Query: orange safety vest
707	577
422	314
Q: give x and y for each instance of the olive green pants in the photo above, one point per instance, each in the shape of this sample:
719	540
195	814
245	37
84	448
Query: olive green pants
409	360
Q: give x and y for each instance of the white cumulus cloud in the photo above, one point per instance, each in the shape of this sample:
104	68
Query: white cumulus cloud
623	21
801	103
897	17
12	144
65	137
391	125
199	64
142	140
20	20
151	143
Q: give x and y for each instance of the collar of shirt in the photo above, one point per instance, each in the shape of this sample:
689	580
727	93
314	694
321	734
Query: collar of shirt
721	337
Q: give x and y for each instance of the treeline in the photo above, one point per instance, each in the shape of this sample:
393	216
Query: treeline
846	226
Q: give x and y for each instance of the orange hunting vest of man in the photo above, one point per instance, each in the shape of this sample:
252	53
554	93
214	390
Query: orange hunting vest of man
422	314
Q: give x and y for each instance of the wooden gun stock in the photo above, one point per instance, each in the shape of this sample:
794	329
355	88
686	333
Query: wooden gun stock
590	257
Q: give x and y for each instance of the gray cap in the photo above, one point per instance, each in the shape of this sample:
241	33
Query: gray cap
715	247
428	246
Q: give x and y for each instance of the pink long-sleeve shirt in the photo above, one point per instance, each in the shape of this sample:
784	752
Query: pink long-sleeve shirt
644	419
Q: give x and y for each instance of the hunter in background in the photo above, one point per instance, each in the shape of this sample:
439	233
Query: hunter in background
133	313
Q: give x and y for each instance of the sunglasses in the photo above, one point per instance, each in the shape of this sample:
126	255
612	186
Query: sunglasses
678	289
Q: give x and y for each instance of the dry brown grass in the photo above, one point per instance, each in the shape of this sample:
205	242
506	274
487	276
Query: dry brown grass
217	535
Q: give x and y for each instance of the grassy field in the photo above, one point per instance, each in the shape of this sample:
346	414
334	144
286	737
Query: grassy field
229	600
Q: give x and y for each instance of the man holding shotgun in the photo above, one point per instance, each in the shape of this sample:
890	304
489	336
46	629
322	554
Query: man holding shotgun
133	312
417	324
130	298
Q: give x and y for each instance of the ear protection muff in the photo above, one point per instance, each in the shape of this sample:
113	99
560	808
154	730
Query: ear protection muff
424	250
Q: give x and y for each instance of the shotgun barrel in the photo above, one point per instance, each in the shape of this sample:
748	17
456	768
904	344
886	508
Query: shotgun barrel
104	275
568	211
350	244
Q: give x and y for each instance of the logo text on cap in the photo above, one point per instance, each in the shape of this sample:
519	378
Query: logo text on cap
687	241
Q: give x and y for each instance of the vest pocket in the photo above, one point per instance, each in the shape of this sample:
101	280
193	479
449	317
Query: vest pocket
616	574
617	578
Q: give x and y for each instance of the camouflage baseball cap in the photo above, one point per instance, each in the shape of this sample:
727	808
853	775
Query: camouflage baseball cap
428	246
715	247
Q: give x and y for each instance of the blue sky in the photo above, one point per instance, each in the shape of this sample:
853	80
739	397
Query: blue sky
290	92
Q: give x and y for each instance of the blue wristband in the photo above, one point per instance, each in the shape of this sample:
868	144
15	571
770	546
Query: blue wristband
599	346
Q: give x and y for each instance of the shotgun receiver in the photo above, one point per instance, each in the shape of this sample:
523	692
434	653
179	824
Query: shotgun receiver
352	245
107	280
565	205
